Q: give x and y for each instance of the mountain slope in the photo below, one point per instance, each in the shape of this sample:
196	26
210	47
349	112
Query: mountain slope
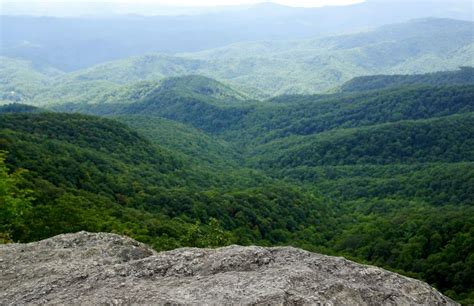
319	65
256	69
382	176
95	91
446	139
35	136
74	43
199	86
82	172
191	142
202	102
20	80
97	174
463	76
19	108
310	66
307	115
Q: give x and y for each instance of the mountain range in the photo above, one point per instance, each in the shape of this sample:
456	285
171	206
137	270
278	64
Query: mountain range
281	128
380	170
258	69
74	43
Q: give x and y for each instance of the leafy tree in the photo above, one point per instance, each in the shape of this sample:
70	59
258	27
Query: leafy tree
15	202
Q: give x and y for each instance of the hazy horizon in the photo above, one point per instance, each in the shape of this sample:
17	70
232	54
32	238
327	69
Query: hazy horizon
104	8
146	7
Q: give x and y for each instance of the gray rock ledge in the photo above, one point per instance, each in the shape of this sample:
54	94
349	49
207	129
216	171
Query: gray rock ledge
102	268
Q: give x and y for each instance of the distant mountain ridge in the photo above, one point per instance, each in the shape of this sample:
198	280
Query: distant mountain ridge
261	69
463	76
75	43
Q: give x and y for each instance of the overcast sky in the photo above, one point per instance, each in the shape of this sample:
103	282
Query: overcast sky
71	8
300	3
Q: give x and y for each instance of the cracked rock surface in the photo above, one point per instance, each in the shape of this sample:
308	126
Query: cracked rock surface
100	268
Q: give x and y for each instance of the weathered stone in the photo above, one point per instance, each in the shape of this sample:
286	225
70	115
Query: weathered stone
106	268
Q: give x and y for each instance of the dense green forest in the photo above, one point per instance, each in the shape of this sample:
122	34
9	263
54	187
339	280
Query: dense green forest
464	76
381	171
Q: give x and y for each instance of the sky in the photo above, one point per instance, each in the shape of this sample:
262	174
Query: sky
299	3
195	3
71	8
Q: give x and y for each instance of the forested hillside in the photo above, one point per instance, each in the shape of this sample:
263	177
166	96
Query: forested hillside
21	81
192	143
319	65
381	171
252	123
259	69
446	139
310	66
75	43
463	76
87	173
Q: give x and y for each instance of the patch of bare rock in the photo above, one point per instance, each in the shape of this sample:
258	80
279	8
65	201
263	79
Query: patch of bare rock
100	268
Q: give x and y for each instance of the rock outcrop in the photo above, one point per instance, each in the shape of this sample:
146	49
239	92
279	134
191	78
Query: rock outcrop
106	268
